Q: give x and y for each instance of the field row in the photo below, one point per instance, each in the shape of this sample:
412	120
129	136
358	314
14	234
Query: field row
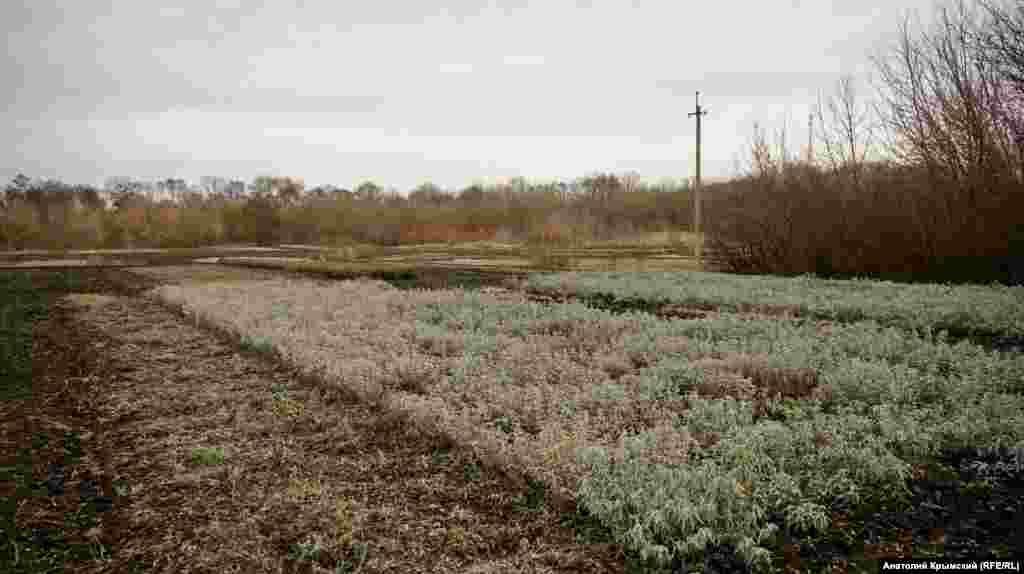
965	309
673	433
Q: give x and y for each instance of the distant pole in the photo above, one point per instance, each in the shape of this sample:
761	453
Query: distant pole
810	137
696	187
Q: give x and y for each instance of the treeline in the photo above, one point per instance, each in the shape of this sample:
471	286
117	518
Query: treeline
948	203
49	214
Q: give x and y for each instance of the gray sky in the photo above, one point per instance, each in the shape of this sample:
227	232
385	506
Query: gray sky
402	92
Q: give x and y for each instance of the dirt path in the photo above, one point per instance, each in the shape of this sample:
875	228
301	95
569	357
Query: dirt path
294	477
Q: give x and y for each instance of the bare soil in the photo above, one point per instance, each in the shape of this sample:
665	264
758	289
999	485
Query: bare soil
306	484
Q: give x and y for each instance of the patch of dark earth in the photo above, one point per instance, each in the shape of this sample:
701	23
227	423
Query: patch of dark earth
42	430
967	505
964	506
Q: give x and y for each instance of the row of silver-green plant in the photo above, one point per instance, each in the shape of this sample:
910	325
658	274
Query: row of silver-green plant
895	397
865	362
899	397
972	308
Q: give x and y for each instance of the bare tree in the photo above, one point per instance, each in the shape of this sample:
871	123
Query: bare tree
17	189
288	190
428	194
763	161
1001	47
367	191
630	181
939	95
1003	41
950	98
847	136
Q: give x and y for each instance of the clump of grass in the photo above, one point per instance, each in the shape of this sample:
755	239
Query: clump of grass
20	307
455	535
207	456
284	406
307	551
344	520
358	553
255	344
303	488
471	471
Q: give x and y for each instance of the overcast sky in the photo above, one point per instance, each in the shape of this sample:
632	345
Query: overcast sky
402	92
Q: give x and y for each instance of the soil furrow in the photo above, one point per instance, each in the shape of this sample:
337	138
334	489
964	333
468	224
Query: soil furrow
223	460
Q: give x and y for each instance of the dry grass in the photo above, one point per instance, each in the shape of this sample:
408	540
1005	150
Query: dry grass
238	464
670	237
194	274
360	335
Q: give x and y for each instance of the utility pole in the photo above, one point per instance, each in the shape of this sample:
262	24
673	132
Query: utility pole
810	137
696	187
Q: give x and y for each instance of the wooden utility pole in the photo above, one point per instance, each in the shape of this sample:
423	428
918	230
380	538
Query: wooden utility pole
696	187
810	137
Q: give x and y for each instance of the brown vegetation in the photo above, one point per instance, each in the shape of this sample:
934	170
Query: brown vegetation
946	205
597	206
